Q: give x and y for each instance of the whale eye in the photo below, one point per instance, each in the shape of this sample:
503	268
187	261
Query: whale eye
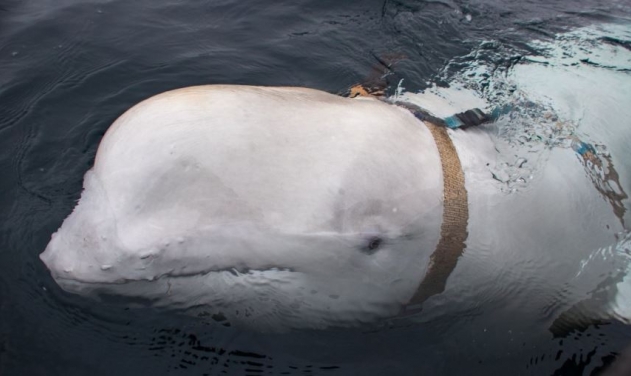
374	242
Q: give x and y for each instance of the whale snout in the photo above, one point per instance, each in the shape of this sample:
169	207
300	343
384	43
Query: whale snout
64	274
60	264
73	266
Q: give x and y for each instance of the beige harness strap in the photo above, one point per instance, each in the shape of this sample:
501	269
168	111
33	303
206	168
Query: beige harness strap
453	232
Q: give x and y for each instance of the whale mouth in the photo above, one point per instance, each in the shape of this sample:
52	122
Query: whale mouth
234	271
204	293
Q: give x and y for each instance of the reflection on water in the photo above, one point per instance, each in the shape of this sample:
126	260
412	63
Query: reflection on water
604	176
69	68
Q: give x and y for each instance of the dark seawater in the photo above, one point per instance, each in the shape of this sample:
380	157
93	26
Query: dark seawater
69	68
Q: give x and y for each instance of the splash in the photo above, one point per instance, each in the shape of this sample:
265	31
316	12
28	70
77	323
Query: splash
570	94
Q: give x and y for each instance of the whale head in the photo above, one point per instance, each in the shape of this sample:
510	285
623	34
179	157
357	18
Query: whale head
217	218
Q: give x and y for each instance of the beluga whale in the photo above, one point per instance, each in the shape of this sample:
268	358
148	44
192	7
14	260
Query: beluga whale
280	208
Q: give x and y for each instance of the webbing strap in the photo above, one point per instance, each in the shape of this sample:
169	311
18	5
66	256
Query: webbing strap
453	231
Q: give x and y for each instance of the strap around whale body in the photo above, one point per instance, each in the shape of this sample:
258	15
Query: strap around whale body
453	231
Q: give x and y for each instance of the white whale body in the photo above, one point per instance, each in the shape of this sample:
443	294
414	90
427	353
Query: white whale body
290	207
206	196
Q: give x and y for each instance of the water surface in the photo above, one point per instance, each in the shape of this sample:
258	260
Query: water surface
68	68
